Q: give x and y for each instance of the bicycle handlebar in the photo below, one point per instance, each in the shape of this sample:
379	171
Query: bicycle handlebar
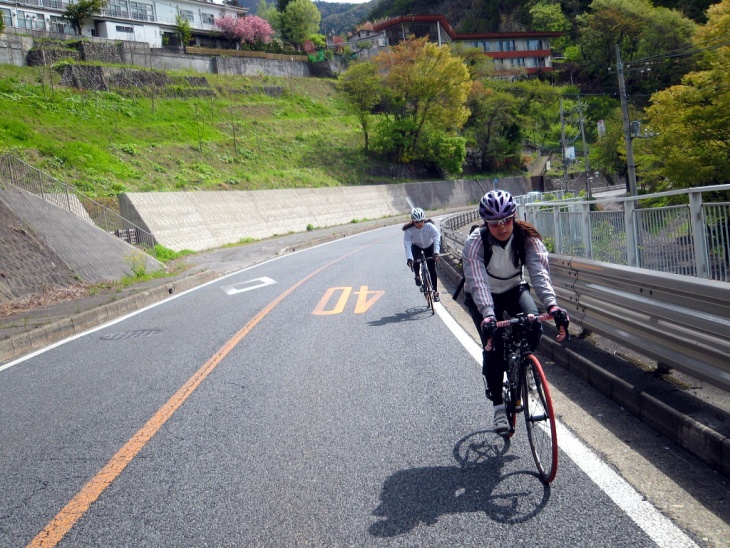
562	331
541	318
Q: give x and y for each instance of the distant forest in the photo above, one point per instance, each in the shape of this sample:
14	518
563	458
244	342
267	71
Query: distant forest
465	16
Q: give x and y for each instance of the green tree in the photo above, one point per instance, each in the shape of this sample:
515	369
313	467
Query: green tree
184	30
79	11
642	32
425	103
692	120
361	88
492	128
550	17
269	13
299	21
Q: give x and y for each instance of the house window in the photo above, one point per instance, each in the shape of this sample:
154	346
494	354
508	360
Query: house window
534	45
142	12
124	28
208	18
540	62
7	19
518	62
117	8
29	20
59	24
506	45
187	14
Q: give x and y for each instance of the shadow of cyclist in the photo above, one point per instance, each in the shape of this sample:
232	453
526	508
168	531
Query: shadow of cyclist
412	314
420	495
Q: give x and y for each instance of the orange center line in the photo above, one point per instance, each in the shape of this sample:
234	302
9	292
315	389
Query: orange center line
70	514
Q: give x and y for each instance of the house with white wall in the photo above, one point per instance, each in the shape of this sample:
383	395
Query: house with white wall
150	21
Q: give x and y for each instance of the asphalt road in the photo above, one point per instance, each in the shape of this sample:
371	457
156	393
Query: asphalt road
308	400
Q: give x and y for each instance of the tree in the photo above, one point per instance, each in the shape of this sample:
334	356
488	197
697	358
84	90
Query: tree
184	30
79	11
299	21
252	30
641	31
550	17
361	86
269	13
424	103
691	121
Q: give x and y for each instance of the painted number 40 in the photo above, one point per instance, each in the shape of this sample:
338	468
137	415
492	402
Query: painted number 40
365	299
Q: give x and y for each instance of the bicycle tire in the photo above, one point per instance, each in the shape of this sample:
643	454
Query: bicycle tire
540	421
427	287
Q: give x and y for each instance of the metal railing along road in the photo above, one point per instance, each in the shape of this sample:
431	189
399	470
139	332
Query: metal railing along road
30	179
691	238
680	321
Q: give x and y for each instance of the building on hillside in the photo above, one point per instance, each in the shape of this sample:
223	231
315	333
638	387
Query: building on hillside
513	52
151	21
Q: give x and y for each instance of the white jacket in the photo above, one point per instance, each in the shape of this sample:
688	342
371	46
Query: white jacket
423	237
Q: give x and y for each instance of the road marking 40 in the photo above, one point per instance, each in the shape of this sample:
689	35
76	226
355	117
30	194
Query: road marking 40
365	299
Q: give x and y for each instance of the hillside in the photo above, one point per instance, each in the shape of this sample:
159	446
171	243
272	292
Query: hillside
209	132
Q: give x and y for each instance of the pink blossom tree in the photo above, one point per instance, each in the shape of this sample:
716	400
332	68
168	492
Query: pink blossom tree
248	30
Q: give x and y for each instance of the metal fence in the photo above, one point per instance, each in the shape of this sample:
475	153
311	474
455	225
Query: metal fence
691	238
20	174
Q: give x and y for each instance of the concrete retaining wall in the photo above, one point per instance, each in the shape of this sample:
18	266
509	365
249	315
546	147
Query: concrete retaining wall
14	50
204	220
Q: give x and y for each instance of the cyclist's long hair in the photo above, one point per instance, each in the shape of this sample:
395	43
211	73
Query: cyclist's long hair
522	231
412	224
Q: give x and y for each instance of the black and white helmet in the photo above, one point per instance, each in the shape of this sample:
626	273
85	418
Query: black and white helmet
417	214
496	205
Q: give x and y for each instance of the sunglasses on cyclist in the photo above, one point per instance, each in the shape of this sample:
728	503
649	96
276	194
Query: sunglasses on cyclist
502	222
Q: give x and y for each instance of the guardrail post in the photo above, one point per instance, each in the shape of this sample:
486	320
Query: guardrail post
587	241
630	228
558	231
698	235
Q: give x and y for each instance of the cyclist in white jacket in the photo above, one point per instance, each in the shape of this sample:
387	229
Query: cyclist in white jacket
422	234
494	285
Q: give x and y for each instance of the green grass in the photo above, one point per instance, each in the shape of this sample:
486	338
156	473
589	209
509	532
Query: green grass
105	143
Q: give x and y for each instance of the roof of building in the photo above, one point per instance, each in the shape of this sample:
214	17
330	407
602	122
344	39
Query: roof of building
388	23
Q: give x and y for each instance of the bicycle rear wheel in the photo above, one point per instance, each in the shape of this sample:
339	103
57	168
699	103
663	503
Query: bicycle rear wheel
427	288
540	421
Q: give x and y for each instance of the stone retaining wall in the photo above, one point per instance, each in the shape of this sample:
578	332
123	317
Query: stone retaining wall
204	220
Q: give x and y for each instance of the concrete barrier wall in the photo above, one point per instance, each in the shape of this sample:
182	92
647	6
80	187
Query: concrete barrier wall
204	220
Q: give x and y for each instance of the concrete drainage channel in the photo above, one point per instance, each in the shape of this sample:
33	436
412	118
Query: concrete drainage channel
666	411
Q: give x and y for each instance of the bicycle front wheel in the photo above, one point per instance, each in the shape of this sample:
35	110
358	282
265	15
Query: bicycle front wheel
540	419
510	397
428	289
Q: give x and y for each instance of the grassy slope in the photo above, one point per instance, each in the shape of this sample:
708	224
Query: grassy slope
107	143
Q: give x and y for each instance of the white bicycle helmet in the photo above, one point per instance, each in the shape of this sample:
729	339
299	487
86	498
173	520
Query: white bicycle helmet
496	205
417	214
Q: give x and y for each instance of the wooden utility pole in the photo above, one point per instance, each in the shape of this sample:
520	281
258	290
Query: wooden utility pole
631	168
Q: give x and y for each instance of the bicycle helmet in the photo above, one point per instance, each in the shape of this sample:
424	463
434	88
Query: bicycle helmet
417	214
496	205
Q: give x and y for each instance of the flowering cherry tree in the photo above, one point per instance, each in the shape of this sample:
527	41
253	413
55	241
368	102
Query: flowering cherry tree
248	30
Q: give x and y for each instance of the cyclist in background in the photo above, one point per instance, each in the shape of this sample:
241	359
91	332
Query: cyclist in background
493	259
422	234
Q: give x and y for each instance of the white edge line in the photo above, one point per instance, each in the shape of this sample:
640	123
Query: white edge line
167	300
655	524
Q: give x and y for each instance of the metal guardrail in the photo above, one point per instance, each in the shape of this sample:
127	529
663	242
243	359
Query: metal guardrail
680	321
690	237
30	179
